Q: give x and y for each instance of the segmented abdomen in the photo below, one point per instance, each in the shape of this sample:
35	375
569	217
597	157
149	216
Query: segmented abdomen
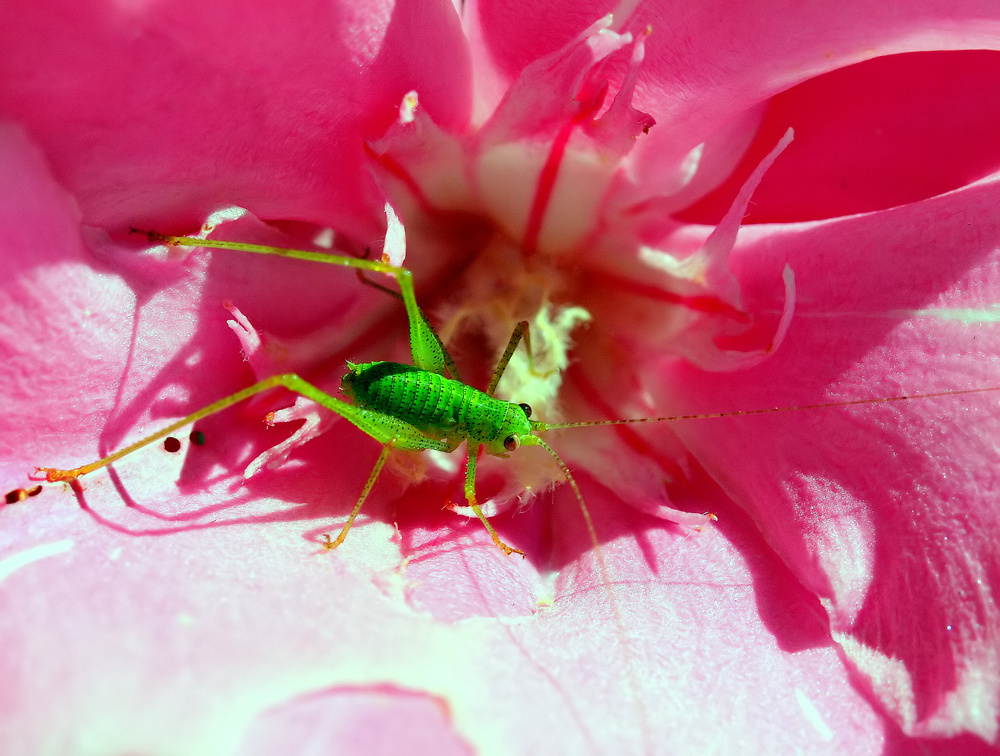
438	406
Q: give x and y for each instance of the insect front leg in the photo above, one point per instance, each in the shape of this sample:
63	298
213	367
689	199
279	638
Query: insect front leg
470	497
521	330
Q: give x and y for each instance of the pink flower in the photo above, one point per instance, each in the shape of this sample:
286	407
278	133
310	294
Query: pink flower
557	165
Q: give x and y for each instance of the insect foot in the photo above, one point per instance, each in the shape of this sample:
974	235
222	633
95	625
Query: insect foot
508	550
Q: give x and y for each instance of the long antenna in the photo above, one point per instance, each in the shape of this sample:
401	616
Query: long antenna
540	426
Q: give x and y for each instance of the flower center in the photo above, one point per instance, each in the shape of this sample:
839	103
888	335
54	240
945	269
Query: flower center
536	175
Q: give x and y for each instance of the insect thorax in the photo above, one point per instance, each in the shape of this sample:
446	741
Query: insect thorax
437	406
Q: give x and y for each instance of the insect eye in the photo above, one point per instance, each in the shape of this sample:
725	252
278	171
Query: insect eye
526	408
511	443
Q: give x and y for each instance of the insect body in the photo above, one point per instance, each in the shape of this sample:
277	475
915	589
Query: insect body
438	407
412	407
423	406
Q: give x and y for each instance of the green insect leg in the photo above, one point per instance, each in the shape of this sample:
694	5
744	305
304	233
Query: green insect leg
520	330
428	350
381	427
470	497
426	347
54	474
361	499
424	358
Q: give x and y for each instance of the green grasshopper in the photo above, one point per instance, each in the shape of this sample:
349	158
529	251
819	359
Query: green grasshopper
424	405
413	407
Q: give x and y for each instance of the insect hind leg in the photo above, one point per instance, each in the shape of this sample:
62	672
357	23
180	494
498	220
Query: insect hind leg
290	381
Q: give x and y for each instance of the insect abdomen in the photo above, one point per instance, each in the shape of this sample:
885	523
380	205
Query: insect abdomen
438	406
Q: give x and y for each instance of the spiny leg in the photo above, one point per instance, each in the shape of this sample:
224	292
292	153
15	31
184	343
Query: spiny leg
388	430
449	363
425	345
361	499
470	497
370	422
520	330
53	474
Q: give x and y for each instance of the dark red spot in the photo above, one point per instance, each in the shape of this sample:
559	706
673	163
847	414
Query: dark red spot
197	438
20	494
171	444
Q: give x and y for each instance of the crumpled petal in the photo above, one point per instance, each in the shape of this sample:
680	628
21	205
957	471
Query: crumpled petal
696	82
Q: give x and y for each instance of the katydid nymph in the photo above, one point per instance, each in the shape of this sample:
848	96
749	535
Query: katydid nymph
423	406
418	407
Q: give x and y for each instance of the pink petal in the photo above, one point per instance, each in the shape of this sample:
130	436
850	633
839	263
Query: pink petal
380	719
174	109
185	618
868	137
711	65
885	511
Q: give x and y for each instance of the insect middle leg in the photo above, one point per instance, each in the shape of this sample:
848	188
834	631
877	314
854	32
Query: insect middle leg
470	497
361	499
